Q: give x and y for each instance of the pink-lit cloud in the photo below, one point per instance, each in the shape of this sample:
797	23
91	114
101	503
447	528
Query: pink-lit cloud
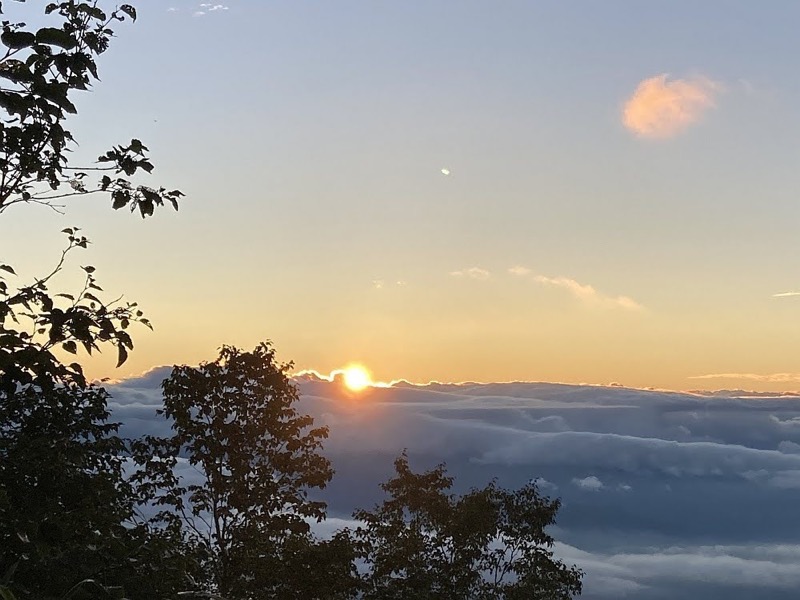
662	108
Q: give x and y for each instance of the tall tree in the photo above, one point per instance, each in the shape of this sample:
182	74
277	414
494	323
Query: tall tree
490	543
65	509
253	461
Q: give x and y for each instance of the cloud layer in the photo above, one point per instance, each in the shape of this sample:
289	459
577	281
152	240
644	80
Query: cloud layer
664	494
662	108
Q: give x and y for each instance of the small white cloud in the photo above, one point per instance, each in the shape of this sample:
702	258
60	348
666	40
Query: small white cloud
624	487
445	171
377	284
198	13
401	283
589	295
590	484
786	295
519	271
545	486
472	273
662	108
172	9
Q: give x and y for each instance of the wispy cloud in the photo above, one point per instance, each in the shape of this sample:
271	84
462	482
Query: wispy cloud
587	294
662	108
764	377
380	284
519	271
206	8
786	295
472	273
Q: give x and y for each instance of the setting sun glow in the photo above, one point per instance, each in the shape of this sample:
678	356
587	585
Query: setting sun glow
356	378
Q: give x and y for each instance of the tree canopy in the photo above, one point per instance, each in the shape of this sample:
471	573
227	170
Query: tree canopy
67	515
490	543
245	503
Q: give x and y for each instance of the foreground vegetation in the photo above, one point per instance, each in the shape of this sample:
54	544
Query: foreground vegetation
87	514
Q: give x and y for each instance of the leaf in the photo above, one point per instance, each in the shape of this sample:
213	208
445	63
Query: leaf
123	355
120	198
128	10
70	347
7	269
136	146
55	37
18	39
125	339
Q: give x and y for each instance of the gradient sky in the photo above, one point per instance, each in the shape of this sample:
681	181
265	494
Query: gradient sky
622	202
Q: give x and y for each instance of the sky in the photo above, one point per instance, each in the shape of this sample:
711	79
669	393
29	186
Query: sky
454	191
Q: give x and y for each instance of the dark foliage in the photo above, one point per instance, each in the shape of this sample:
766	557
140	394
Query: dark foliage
424	542
257	459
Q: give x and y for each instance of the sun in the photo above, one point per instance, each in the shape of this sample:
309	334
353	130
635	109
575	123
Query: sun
356	378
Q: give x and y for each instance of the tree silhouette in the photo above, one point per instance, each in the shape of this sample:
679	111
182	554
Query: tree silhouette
244	501
67	526
490	543
40	73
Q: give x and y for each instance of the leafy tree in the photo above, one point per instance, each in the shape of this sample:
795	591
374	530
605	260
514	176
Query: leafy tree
59	462
67	524
40	72
34	322
67	513
244	502
490	543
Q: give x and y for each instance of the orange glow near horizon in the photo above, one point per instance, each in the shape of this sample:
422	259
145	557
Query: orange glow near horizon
356	378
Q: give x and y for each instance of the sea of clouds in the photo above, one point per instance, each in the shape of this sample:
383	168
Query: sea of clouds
665	495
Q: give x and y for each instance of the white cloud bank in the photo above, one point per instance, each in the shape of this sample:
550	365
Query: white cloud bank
730	463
